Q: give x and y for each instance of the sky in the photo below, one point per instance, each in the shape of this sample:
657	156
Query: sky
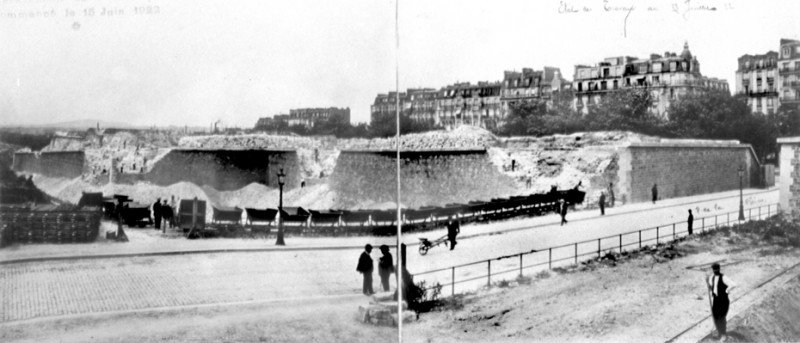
194	62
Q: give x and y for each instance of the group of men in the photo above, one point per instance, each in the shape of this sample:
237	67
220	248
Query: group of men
164	213
385	268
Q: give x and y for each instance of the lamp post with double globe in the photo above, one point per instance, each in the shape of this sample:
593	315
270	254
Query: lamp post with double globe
281	182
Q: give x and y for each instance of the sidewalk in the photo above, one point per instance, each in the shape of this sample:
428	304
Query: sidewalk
151	242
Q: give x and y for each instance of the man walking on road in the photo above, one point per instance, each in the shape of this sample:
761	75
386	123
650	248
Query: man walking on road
453	229
562	210
690	222
365	267
718	289
602	203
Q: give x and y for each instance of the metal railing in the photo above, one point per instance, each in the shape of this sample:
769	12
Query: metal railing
584	250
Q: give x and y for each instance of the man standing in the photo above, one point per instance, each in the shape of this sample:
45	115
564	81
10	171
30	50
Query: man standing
690	222
718	289
602	203
611	194
655	193
157	213
562	210
385	267
365	267
453	229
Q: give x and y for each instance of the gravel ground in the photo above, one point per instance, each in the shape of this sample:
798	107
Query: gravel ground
638	300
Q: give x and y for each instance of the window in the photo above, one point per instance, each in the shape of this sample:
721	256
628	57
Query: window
616	84
769	102
758	104
656	67
786	51
603	85
643	69
785	66
673	66
656	80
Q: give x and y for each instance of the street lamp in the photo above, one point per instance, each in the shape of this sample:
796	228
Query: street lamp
281	182
741	202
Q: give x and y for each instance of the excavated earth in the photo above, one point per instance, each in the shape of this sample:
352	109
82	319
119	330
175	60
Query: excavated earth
560	160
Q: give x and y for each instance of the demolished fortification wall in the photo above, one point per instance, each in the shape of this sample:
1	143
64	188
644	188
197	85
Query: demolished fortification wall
225	169
685	168
428	178
68	164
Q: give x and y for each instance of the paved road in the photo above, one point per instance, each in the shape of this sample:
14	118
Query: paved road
590	227
55	288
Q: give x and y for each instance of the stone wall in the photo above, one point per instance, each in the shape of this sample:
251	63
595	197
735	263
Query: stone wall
221	169
69	164
428	178
683	169
790	175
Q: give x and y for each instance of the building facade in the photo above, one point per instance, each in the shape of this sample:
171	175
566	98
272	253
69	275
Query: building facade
789	72
757	81
308	117
667	77
530	85
485	104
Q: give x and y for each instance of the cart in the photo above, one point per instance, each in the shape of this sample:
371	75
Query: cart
425	244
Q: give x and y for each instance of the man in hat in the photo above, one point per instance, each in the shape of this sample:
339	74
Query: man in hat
562	210
365	267
602	203
718	288
385	267
690	222
157	213
453	229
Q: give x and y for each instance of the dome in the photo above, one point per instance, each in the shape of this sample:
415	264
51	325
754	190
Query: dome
686	54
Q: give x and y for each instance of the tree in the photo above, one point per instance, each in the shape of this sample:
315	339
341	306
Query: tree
625	109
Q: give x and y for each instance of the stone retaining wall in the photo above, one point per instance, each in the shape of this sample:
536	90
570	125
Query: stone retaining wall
684	169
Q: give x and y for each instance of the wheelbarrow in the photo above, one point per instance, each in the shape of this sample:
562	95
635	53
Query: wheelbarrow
425	244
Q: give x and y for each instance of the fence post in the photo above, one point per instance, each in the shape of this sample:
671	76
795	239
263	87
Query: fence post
715	221
750	214
673	231
598	247
703	225
550	259
520	265
576	254
453	277
620	244
640	239
489	275
728	221
656	235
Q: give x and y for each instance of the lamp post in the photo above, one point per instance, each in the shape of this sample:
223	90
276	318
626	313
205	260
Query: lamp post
281	181
741	202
